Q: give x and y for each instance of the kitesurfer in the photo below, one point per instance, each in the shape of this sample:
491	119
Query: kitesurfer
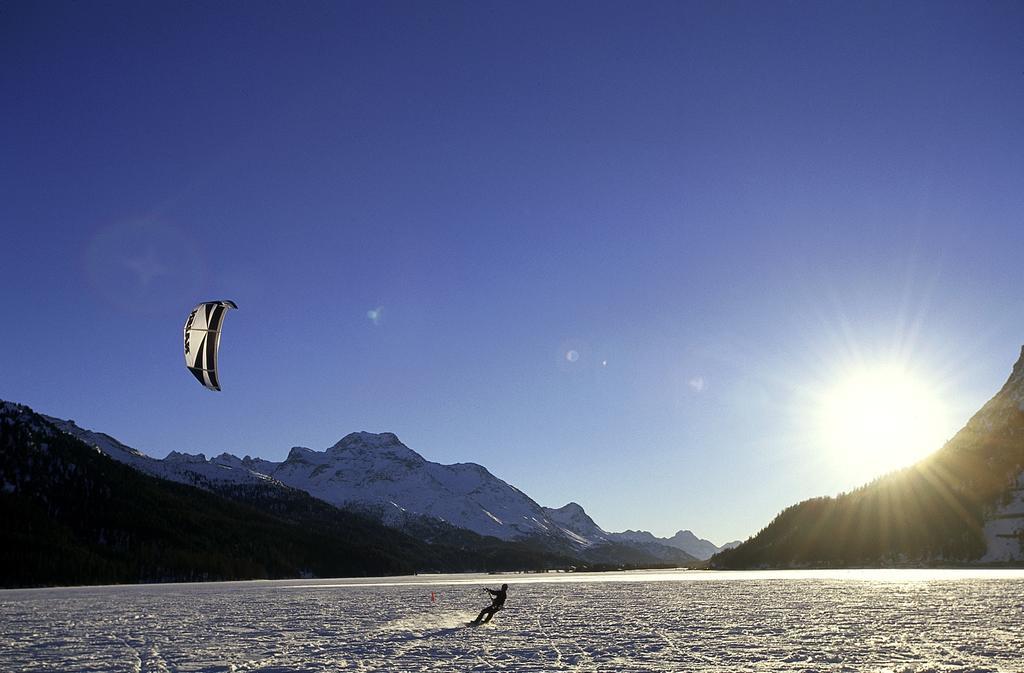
497	603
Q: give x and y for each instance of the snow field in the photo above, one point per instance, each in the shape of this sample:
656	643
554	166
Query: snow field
898	622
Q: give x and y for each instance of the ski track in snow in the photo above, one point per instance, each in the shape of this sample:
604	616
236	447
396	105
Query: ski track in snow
887	622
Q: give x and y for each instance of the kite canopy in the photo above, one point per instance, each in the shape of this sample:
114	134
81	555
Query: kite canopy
202	340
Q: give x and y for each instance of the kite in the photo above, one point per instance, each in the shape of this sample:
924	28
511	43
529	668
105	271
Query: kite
202	340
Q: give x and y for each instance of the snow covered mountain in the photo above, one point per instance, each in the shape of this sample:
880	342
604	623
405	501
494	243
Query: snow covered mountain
573	521
379	475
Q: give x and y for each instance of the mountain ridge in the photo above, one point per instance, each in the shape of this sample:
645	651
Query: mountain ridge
685	540
378	475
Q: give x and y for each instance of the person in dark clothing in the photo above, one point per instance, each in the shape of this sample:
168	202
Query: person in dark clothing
497	603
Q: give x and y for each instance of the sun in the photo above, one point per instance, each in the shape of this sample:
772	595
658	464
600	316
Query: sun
882	418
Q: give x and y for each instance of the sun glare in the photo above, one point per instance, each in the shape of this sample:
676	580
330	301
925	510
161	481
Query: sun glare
883	418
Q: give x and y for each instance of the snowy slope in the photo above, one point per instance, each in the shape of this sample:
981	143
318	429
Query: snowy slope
1004	530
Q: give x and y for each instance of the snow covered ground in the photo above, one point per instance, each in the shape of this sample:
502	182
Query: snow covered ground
1002	528
906	621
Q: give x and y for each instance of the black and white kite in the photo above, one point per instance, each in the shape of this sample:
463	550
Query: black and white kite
202	340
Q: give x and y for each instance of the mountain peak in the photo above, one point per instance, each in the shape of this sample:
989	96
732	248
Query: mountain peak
636	536
182	457
384	444
229	460
368	440
1009	398
1018	367
685	536
299	454
574	519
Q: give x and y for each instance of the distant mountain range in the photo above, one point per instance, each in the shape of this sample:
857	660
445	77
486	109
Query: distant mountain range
963	504
684	539
367	505
378	475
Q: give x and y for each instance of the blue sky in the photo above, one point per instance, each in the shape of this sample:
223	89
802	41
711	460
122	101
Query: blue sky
717	206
